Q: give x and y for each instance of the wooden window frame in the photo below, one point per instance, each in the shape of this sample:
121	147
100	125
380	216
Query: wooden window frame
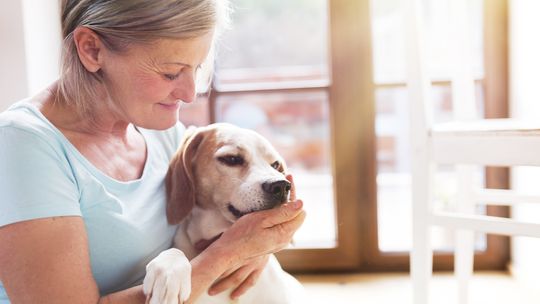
351	72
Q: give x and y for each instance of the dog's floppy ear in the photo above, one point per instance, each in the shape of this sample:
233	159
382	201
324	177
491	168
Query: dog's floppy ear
180	187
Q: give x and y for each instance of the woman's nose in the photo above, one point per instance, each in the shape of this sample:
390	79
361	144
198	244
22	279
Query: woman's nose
184	88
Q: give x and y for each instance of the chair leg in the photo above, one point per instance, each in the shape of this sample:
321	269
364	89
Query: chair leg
422	251
421	263
464	239
463	263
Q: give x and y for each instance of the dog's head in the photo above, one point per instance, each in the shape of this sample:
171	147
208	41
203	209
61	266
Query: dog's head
224	167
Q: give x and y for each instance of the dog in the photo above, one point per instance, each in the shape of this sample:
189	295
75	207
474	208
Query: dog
220	173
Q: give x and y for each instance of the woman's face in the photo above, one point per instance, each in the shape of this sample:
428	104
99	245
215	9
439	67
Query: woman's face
147	83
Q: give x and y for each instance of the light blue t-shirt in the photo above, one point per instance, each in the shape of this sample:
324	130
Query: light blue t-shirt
43	175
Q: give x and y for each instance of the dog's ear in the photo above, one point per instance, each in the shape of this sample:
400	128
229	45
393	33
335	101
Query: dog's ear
179	183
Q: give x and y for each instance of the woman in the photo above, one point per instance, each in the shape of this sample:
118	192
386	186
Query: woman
82	164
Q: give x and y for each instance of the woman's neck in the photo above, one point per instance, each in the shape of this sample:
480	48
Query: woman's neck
101	121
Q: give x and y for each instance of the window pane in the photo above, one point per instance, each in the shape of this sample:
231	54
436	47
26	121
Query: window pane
394	172
439	28
274	41
195	113
297	125
389	45
387	41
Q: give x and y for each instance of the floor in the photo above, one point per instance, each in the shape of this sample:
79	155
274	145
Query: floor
486	287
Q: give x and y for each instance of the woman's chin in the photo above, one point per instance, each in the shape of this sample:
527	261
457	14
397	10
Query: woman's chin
162	123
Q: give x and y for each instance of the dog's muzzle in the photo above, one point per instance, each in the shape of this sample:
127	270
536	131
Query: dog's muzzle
277	191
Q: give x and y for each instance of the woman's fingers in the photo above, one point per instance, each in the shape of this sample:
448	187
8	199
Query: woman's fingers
292	193
265	231
227	273
234	279
284	213
241	279
291	226
249	282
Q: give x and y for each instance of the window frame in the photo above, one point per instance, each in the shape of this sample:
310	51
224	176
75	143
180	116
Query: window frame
349	28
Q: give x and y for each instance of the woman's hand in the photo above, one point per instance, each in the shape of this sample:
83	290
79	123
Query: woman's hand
265	231
241	279
252	238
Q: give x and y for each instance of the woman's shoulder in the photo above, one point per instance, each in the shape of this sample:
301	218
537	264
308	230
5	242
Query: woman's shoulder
25	117
23	127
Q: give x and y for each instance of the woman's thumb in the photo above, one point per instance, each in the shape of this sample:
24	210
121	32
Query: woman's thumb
282	214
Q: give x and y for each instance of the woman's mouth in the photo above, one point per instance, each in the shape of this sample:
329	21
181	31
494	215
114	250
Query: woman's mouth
170	106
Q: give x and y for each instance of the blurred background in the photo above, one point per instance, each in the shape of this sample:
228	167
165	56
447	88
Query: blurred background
325	82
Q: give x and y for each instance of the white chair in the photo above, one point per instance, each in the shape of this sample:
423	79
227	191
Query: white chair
465	143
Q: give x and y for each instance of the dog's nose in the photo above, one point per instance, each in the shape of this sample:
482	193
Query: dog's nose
279	190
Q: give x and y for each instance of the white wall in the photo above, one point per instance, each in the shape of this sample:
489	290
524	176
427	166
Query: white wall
13	81
525	103
29	47
42	37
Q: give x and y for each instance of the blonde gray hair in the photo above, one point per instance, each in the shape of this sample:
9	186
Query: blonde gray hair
120	23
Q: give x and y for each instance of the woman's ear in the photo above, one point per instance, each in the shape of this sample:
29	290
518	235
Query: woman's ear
89	48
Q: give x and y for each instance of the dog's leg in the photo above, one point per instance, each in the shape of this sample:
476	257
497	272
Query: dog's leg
168	278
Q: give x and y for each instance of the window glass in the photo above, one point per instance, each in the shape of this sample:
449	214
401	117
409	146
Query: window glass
269	43
195	113
389	45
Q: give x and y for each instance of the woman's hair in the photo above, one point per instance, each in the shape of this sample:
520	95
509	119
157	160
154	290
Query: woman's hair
120	23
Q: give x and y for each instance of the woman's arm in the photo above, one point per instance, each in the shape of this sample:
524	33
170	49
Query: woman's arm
47	261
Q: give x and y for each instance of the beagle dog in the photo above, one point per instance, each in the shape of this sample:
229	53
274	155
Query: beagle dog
220	173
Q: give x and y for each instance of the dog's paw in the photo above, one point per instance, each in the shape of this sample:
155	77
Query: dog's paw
168	278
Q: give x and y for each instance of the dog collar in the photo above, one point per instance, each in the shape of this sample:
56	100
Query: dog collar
201	245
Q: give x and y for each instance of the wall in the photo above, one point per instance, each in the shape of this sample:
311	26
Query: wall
13	80
30	47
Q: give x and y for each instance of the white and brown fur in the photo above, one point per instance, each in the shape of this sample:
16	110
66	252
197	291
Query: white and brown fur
221	173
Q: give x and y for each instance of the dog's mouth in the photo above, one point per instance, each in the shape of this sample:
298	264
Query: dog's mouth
237	213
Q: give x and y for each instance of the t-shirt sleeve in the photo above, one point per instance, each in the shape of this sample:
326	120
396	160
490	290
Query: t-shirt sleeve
36	180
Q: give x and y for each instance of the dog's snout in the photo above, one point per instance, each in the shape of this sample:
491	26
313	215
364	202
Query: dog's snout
279	190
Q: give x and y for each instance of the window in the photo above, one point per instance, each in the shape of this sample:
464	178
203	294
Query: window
274	75
324	82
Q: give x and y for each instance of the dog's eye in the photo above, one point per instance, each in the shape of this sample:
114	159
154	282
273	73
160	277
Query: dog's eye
231	160
275	165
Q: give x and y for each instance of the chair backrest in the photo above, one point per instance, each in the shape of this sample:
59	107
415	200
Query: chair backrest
419	80
463	86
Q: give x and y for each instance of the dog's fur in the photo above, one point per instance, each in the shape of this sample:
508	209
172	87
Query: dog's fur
221	173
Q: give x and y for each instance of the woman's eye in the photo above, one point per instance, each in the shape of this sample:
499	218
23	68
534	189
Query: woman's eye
171	76
232	160
275	165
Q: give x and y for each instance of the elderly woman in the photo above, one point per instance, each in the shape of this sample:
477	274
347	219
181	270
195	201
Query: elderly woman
82	164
